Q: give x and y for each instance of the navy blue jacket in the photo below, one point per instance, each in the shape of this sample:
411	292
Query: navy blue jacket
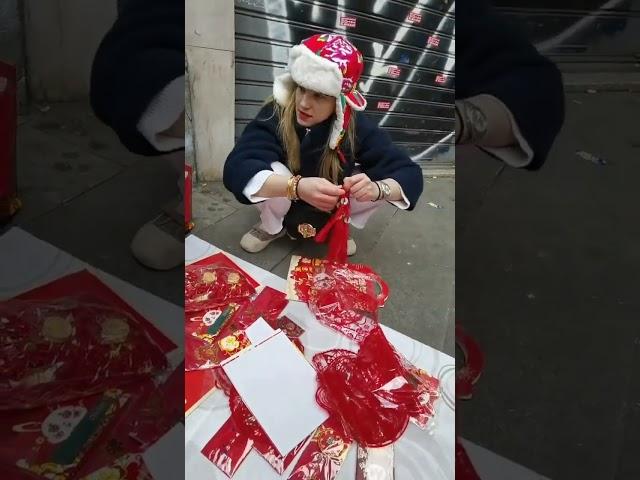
494	57
139	56
259	146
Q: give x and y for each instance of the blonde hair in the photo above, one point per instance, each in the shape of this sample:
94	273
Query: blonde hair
330	165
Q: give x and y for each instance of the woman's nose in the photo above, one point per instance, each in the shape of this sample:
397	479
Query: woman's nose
305	101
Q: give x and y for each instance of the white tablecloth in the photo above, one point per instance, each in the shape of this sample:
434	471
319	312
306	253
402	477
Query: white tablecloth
419	454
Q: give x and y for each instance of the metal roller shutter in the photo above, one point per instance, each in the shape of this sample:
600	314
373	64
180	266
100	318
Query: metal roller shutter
409	62
581	34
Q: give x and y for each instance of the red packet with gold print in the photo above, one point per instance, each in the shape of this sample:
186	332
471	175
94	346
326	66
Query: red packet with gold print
127	467
67	348
323	457
211	285
52	441
202	353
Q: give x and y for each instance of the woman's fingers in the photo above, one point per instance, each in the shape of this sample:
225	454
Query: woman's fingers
349	182
325	202
331	189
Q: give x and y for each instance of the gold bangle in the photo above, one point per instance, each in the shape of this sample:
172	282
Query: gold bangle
292	188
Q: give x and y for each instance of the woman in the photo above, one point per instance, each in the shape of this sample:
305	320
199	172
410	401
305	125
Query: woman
298	156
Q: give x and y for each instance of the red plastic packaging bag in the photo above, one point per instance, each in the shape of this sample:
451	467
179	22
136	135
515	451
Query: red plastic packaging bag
208	286
228	448
344	297
214	335
67	348
371	391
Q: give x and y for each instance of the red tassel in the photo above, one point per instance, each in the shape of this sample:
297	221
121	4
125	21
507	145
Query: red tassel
338	226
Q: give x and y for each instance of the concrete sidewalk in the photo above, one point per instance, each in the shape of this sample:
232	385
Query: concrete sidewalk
547	282
83	192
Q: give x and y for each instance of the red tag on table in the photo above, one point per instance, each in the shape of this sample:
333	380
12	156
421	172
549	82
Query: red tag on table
269	304
247	424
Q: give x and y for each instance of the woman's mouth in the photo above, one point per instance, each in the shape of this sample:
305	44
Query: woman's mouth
304	116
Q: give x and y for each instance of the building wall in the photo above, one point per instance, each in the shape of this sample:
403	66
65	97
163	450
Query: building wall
61	38
210	54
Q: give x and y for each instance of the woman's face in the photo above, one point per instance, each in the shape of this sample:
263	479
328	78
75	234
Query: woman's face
312	107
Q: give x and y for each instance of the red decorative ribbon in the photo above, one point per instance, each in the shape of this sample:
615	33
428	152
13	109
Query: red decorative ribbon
338	227
371	391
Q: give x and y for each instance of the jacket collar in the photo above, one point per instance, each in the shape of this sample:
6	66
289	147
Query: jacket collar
319	132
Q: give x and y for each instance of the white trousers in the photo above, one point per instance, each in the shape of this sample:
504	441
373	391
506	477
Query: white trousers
273	210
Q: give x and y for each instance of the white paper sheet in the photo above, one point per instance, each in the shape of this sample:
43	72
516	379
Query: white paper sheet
259	331
279	386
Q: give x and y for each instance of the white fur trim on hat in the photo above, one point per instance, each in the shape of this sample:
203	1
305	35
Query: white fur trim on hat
315	72
336	128
282	88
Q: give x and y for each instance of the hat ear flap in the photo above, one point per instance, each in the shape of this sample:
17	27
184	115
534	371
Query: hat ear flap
283	86
356	100
338	124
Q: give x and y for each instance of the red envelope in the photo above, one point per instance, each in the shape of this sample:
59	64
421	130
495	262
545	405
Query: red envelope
55	439
198	385
73	337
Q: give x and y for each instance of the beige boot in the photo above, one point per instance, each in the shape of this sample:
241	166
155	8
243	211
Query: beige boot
159	244
256	239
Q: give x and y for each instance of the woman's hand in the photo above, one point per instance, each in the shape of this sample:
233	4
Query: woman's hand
319	192
361	188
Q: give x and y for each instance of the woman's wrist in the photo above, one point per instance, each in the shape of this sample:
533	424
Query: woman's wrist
395	190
